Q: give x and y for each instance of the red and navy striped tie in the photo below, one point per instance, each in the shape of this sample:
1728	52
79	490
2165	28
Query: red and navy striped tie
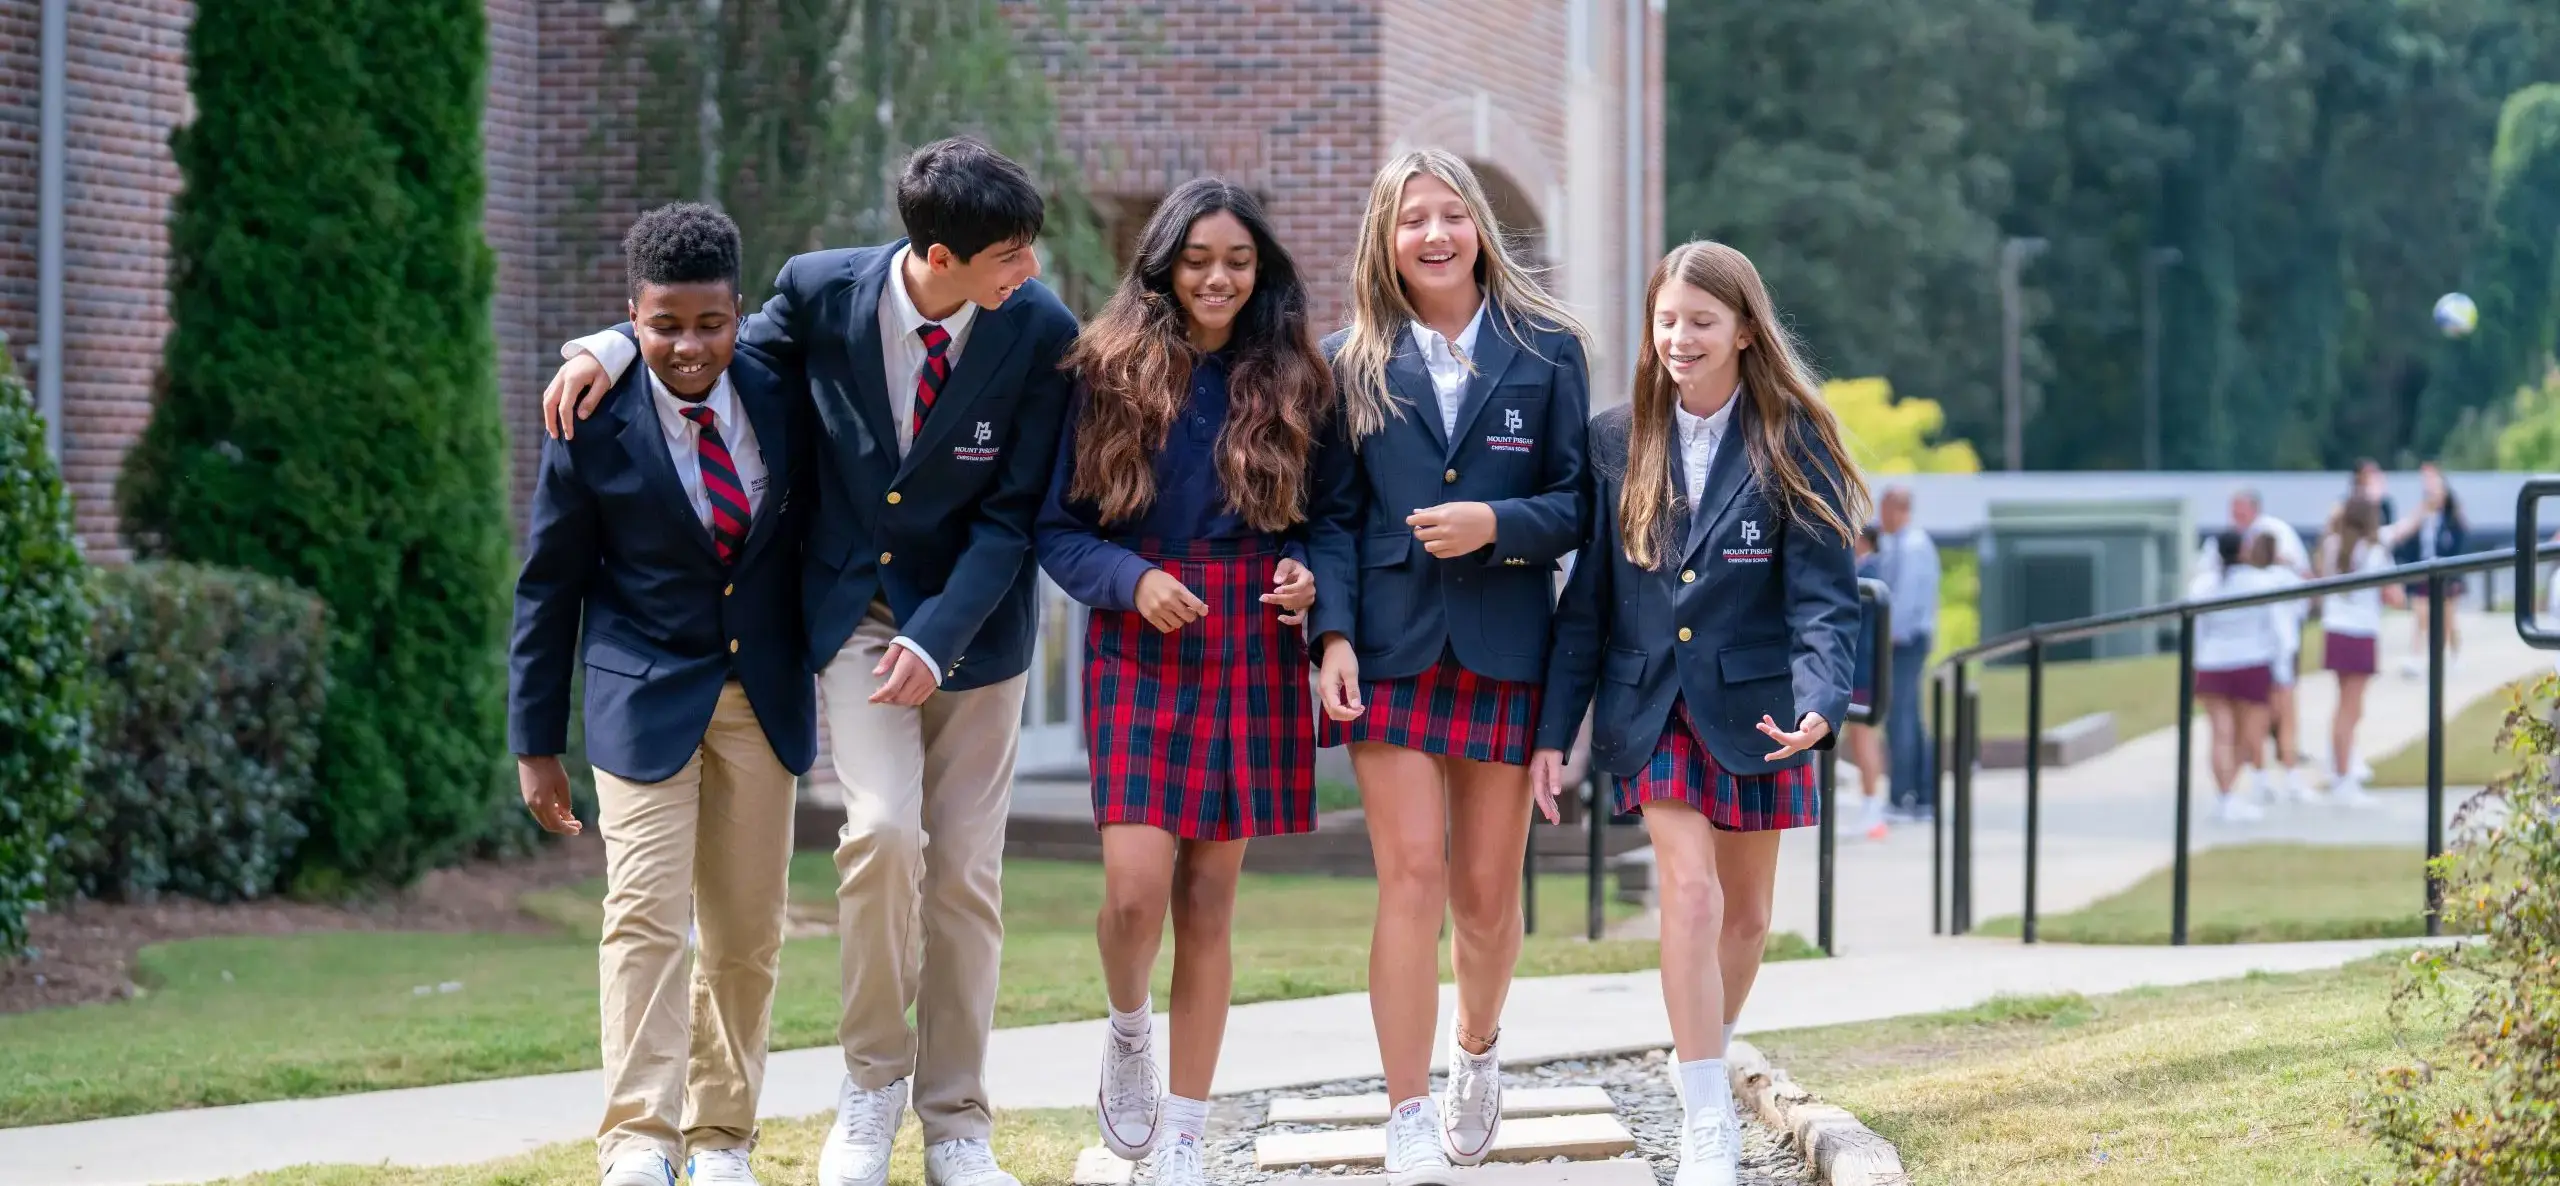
720	481
936	372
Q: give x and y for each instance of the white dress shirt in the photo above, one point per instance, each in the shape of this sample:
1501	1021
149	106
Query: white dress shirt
684	445
1447	362
902	356
1699	437
2358	613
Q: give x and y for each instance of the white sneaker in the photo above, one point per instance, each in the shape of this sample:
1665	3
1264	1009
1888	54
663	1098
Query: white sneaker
2350	792
2298	788
2360	770
2235	808
1711	1142
2261	789
650	1168
1131	1098
1471	1104
1178	1164
719	1167
1414	1153
857	1148
966	1162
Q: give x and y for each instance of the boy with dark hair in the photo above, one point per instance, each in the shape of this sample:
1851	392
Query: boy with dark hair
672	540
933	364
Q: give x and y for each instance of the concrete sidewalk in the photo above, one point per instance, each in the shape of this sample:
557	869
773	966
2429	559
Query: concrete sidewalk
1277	1044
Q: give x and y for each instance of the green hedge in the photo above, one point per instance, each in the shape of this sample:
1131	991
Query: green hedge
44	662
211	684
330	414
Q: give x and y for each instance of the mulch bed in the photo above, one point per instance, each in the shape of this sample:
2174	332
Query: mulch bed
83	952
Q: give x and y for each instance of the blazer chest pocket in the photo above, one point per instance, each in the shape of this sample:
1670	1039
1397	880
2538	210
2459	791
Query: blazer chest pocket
607	655
1514	418
1753	661
1624	665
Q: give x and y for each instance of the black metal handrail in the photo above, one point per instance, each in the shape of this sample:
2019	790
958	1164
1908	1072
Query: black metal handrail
1951	848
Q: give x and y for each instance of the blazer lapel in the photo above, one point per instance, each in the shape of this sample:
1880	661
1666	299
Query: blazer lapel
1493	354
991	339
647	443
862	340
1725	476
763	409
1408	379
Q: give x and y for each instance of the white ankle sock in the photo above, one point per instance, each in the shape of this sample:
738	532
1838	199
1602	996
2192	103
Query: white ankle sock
1703	1083
1728	1036
1133	1025
1186	1118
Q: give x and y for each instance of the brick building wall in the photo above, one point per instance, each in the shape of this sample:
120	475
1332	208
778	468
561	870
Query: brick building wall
21	106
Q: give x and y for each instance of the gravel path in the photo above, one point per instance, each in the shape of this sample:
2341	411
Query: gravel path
1646	1105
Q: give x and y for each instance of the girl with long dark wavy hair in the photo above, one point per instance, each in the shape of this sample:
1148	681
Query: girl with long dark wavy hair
1178	513
1713	610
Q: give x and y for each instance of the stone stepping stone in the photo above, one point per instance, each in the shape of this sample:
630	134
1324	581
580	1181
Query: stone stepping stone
1538	1138
1097	1166
1517	1103
1616	1171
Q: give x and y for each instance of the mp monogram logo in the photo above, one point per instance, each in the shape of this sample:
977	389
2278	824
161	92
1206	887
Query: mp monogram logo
1750	532
986	432
1511	420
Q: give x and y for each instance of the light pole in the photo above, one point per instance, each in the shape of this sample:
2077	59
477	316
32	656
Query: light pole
2014	254
2153	260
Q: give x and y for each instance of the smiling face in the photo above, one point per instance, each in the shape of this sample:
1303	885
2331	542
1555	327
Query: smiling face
1213	277
1698	337
988	278
1435	243
687	333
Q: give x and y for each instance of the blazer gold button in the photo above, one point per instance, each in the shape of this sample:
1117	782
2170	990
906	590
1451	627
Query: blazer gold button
733	643
1684	636
1686	575
1450	476
893	498
730	591
884	557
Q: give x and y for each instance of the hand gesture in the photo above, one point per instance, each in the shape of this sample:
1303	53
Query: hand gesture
1338	680
1452	528
1166	603
1809	732
1546	781
582	379
910	682
545	785
1293	589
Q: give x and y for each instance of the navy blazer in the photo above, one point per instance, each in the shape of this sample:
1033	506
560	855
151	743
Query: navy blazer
944	534
1754	616
614	542
1518	448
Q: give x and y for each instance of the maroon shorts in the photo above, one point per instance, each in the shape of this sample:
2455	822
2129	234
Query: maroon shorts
1683	771
2249	684
1446	710
1207	732
2349	654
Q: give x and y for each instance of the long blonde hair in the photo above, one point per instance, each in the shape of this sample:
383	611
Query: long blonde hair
1379	309
1778	400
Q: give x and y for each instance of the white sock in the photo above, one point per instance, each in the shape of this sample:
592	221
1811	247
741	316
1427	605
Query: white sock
1133	1024
1186	1118
1702	1084
1728	1036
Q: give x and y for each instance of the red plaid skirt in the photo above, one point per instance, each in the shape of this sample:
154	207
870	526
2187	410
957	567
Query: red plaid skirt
1446	710
1682	771
1207	732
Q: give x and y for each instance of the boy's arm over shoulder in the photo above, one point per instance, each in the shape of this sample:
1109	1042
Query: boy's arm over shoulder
795	314
562	538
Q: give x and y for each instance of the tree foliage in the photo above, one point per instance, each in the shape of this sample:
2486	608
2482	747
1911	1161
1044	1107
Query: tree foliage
45	684
1890	436
2512	279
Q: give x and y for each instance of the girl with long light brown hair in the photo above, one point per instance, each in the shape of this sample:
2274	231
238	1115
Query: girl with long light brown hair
1464	399
1713	613
1179	513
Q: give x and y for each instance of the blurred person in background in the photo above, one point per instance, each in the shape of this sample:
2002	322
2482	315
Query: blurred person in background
2235	655
1907	560
2437	530
2351	625
1866	743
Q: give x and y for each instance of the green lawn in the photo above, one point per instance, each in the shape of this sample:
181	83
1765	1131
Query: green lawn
2257	893
2241	1081
2472	756
236	1020
2141	691
1038	1147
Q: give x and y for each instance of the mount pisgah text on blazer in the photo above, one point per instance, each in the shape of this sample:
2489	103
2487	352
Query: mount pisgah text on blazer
943	534
1519	449
1752	615
612	539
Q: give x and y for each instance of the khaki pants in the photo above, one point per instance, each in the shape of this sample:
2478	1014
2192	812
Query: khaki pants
710	846
920	879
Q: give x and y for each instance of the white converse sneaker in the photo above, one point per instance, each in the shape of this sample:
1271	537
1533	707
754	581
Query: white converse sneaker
1414	1154
719	1167
966	1162
649	1168
2350	792
1178	1164
2235	808
1131	1099
1711	1142
2360	770
857	1148
1471	1104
